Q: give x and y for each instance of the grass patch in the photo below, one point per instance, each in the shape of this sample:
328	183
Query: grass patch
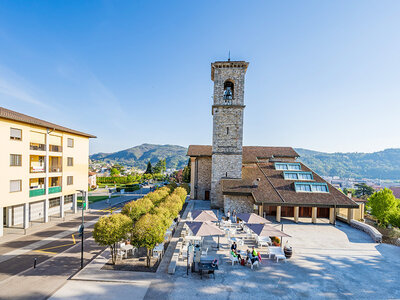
93	199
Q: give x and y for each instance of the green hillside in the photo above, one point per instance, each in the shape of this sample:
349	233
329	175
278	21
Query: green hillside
138	156
383	164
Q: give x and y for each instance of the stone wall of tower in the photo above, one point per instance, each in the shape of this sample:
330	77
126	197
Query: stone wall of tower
227	127
223	166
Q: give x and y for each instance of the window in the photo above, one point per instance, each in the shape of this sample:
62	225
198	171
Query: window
15	186
53	202
70	161
70	143
70	180
298	175
288	166
227	130
16	134
68	199
314	187
228	91
15	160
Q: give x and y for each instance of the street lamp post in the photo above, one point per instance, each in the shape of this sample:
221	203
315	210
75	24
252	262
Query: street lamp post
82	227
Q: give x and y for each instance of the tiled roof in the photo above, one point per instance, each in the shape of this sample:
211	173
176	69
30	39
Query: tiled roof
273	189
15	116
250	153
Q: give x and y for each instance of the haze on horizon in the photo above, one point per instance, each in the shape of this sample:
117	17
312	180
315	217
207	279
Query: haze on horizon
322	75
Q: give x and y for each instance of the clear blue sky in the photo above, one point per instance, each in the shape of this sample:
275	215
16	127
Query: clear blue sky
323	75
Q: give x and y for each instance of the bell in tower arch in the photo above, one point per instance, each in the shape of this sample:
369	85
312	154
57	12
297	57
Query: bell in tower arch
228	90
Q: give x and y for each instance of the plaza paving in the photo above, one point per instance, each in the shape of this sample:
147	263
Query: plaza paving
328	262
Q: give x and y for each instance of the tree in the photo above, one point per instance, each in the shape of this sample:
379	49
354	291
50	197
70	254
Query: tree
114	172
186	173
149	169
160	167
363	190
383	205
148	232
352	191
110	230
135	209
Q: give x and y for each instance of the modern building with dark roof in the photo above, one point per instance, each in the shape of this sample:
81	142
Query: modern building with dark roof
264	180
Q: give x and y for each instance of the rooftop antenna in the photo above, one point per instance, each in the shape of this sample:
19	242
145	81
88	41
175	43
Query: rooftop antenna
229	55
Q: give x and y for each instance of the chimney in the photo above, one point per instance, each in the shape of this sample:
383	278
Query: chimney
349	194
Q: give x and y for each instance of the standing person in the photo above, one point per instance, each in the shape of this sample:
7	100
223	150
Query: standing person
234	216
228	214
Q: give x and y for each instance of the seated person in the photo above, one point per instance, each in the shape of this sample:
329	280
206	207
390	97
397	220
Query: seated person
235	254
254	253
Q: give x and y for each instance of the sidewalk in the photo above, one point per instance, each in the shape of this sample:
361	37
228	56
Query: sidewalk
16	244
48	276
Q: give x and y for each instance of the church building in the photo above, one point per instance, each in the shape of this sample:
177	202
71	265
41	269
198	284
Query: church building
264	180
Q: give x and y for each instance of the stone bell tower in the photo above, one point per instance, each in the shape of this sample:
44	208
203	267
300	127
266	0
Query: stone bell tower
227	111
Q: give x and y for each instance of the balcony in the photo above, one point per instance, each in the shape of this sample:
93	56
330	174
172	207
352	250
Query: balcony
54	148
55	189
36	192
37	147
55	169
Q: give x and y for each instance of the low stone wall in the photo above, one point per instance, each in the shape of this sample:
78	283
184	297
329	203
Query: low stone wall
372	231
178	240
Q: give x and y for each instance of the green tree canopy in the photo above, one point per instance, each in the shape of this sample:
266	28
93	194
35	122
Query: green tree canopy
135	209
363	190
114	172
149	168
186	173
383	205
160	167
148	232
110	230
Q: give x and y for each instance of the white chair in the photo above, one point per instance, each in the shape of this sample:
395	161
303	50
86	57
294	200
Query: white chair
252	265
277	252
233	259
204	253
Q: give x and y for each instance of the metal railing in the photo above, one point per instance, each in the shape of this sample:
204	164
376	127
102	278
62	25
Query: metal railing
55	169
37	169
39	147
54	148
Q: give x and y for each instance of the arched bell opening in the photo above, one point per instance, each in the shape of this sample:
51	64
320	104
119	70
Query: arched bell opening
228	90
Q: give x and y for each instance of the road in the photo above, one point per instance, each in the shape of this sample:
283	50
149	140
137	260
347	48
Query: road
51	255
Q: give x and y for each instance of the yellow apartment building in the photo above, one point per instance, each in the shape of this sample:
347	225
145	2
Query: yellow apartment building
43	166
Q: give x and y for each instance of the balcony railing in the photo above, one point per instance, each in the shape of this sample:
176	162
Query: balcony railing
37	169
39	147
55	169
54	189
54	148
37	192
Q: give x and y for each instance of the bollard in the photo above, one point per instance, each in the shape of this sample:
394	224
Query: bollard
34	263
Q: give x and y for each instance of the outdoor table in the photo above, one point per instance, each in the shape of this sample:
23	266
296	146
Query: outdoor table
127	248
207	259
159	249
193	239
207	267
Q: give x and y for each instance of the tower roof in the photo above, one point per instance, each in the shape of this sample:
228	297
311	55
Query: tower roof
228	64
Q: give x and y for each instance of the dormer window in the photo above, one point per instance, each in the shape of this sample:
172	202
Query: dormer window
228	91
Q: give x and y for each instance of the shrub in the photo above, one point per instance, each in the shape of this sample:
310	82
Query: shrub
186	187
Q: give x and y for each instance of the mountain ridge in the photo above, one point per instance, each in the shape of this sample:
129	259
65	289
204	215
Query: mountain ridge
383	164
